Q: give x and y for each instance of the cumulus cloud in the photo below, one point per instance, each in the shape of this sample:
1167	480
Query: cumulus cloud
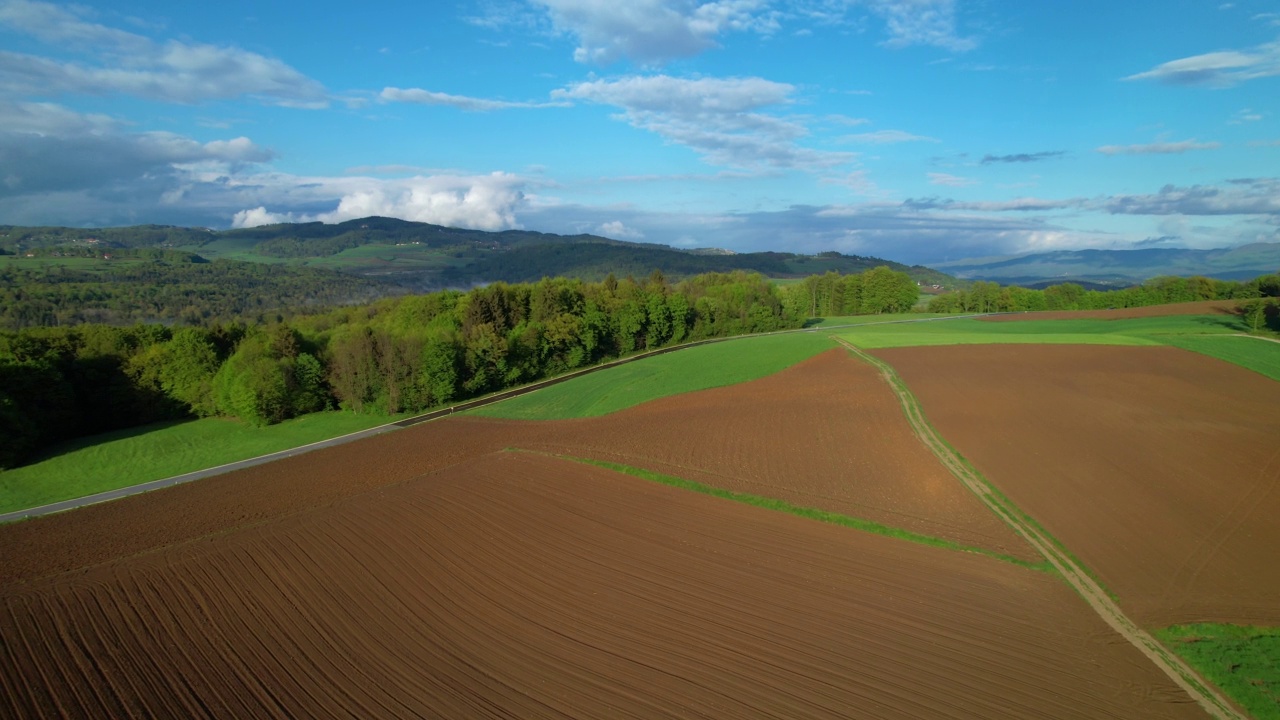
1159	148
479	202
1220	69
720	118
126	63
461	102
653	31
1023	157
618	231
886	137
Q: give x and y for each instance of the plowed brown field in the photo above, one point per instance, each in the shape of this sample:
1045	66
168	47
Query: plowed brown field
518	585
1158	467
827	433
1207	307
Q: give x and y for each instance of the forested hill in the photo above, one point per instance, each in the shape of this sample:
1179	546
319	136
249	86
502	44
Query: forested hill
422	256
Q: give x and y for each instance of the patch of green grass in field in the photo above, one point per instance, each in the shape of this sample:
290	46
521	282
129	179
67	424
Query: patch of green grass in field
1137	331
1243	661
805	512
1252	353
696	368
127	457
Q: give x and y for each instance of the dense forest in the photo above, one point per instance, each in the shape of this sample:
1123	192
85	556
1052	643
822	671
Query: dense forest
148	285
398	354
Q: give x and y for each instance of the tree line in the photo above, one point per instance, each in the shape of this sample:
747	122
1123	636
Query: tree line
401	354
982	297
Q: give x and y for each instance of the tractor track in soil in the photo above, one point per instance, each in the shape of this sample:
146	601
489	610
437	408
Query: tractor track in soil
1073	572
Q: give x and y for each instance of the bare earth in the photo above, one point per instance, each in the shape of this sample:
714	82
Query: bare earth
519	585
827	433
1157	467
1206	307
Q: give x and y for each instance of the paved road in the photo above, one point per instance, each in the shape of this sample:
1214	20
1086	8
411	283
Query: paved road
426	417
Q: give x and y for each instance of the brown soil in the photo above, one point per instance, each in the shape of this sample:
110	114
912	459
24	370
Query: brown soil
1157	467
518	585
1207	307
827	433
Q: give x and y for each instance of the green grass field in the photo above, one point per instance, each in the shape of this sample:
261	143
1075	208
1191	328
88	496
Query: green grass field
137	455
1243	661
698	368
1250	352
1140	331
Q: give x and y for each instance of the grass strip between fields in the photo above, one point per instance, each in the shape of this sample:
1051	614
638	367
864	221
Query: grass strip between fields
801	511
1242	660
1077	575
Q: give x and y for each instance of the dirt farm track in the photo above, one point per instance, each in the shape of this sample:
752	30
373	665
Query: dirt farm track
457	569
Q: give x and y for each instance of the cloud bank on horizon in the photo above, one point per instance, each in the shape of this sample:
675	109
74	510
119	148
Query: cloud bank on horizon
916	130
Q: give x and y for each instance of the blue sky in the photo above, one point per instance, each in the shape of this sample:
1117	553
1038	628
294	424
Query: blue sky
915	130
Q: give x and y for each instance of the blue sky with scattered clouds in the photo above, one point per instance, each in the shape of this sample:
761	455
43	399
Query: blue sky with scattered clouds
916	130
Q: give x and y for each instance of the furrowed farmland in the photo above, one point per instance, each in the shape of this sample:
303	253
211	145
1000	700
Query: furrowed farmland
779	542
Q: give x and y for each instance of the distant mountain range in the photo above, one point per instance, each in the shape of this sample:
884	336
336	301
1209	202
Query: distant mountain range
1120	267
421	256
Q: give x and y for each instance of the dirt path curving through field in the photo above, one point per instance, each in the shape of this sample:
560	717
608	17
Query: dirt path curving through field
1075	575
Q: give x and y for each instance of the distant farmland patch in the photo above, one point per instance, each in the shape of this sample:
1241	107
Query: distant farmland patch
1249	352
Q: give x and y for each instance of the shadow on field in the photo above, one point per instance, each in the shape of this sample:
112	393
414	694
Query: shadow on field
1233	322
81	443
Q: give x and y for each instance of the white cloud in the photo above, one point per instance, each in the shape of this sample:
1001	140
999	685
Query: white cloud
717	117
922	22
653	31
1159	148
937	178
259	216
178	72
480	202
462	102
1220	69
886	137
1244	116
618	231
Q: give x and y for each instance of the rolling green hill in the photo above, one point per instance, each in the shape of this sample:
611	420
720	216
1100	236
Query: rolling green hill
421	256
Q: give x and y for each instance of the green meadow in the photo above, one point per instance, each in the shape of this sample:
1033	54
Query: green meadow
1243	661
696	368
128	457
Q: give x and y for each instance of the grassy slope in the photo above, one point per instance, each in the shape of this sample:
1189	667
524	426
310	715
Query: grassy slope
1243	661
697	368
1257	355
128	457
